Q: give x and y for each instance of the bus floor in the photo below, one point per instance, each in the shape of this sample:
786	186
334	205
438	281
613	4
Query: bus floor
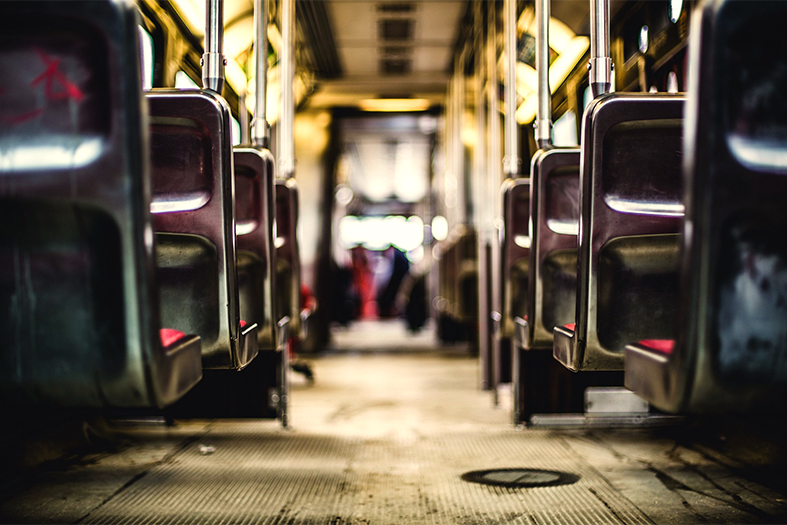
383	437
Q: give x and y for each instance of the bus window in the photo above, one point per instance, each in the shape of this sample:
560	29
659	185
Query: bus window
146	58
565	130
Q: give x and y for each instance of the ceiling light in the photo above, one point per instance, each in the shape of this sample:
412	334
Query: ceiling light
401	105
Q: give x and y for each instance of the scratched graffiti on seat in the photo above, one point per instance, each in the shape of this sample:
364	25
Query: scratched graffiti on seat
53	105
29	94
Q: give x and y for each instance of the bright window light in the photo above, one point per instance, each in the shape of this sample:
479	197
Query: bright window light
565	130
439	228
146	49
643	39
183	81
377	233
672	82
235	131
675	9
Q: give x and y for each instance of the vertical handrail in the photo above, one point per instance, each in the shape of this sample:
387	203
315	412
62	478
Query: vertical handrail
511	159
600	65
543	126
213	60
243	113
259	125
286	127
458	148
472	215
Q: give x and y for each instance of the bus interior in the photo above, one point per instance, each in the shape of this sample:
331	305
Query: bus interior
382	262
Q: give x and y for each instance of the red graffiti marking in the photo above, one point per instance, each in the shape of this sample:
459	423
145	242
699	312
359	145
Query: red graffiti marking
23	117
50	77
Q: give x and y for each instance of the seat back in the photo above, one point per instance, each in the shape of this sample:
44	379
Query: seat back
457	300
288	262
630	216
554	208
80	316
194	220
515	252
254	172
465	293
730	352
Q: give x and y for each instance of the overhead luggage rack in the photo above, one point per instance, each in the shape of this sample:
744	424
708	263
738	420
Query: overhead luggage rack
81	324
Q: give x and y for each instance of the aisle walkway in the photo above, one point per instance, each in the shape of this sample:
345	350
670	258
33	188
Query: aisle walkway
382	438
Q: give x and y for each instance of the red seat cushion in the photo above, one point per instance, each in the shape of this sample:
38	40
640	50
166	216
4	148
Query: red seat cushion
169	336
570	326
665	346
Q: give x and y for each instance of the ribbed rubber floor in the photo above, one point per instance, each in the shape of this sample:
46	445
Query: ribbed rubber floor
259	475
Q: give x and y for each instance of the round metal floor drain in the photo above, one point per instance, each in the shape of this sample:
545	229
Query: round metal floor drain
520	477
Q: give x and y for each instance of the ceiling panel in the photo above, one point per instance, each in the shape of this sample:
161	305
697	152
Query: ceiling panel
356	26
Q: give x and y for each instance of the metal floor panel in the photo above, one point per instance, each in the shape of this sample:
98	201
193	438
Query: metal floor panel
382	438
259	475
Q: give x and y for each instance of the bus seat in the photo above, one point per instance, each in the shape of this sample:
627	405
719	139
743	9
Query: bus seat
254	230
630	216
288	265
554	205
515	251
193	217
730	347
457	301
80	325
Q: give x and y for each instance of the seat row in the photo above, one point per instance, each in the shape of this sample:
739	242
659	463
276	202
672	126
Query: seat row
127	221
657	247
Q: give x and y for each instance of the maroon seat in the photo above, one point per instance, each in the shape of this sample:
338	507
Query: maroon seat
630	215
288	264
515	258
193	217
554	205
254	208
515	254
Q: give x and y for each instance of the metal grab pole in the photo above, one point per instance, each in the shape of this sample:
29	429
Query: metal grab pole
286	128
544	109
213	60
243	113
600	65
511	158
259	125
